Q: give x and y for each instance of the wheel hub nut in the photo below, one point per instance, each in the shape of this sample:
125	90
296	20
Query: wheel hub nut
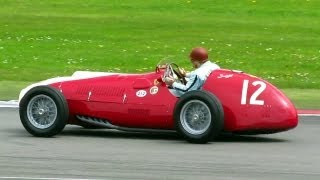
41	111
195	117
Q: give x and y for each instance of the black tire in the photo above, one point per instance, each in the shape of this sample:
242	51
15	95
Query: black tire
62	111
217	116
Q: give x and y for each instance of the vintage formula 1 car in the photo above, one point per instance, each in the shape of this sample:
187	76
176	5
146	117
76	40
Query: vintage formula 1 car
229	101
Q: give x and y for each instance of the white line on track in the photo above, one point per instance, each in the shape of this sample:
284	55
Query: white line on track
9	104
42	178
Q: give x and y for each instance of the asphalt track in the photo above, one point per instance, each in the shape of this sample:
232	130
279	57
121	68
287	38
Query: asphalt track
105	154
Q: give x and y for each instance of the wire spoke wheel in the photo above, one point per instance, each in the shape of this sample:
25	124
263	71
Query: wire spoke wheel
195	117
199	116
42	111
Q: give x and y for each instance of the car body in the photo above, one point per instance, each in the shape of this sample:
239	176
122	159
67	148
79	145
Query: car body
250	104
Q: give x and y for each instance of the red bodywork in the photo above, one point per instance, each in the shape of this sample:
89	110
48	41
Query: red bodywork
248	106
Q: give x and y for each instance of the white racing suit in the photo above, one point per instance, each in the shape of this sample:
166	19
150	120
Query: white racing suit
196	79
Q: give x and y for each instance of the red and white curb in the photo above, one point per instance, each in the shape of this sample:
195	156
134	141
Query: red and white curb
306	112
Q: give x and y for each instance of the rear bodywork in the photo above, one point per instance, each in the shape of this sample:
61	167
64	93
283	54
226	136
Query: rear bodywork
251	105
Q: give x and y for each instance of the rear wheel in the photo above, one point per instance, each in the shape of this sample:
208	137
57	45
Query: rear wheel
199	116
43	111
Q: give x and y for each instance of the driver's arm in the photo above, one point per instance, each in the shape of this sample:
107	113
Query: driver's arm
193	84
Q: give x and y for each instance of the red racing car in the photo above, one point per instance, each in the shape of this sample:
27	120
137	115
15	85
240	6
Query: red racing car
230	101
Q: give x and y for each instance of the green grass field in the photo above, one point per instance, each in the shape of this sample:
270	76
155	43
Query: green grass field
278	40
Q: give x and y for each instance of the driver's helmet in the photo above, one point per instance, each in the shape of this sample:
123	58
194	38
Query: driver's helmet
199	54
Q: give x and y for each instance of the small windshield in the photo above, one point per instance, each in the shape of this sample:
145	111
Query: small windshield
164	62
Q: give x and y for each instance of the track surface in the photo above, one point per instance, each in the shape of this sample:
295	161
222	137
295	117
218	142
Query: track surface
105	154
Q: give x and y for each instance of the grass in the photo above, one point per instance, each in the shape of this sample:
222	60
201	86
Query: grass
276	40
304	99
9	90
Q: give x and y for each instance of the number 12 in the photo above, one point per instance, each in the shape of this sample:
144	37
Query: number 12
253	98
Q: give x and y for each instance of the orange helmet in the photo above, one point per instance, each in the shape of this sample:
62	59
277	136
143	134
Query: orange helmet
199	54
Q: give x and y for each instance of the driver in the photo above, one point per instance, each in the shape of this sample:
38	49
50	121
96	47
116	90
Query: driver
203	68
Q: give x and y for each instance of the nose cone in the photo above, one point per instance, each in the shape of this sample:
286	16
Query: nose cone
283	114
289	113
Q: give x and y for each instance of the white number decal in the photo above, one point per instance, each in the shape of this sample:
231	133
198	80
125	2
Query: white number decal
253	98
141	93
244	92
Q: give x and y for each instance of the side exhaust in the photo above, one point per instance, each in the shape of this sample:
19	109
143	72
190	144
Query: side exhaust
107	124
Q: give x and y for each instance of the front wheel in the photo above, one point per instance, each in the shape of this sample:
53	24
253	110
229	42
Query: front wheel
199	116
43	111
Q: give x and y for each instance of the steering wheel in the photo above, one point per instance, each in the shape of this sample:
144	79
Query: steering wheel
172	70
